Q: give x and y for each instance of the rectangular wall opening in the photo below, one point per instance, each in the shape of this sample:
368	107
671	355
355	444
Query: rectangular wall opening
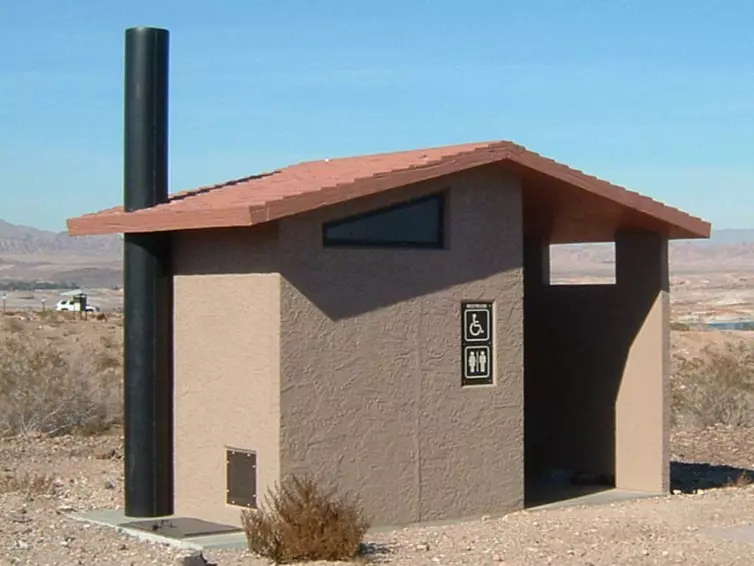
582	264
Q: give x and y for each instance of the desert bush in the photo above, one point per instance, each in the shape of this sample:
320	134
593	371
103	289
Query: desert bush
52	317
14	326
47	390
716	387
105	360
742	480
27	483
108	342
300	522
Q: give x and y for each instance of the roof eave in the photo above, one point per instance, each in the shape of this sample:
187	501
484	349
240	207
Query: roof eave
678	222
701	232
155	220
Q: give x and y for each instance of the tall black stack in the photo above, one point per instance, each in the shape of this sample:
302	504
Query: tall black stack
148	285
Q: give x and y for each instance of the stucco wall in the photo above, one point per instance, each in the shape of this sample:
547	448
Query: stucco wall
597	370
227	328
371	390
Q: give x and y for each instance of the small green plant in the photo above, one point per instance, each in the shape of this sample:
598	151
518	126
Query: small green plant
300	522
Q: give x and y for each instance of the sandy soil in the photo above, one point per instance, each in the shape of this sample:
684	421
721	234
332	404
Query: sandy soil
86	473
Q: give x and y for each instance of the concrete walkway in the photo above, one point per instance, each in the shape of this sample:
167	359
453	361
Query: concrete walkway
549	496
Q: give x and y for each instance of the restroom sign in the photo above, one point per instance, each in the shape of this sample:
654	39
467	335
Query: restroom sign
477	361
476	343
476	324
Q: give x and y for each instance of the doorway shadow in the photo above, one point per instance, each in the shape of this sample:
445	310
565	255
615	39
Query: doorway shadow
562	485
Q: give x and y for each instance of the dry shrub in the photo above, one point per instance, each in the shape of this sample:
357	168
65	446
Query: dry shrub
742	480
300	522
104	360
110	355
44	389
108	342
56	318
14	326
717	387
27	483
51	317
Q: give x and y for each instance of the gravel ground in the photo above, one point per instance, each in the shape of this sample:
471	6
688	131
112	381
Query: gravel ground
86	473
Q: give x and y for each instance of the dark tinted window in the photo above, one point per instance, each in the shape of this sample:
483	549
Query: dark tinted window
414	224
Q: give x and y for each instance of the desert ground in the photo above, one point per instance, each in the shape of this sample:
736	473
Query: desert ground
46	477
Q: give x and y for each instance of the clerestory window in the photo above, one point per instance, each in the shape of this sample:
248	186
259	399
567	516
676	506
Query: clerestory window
418	223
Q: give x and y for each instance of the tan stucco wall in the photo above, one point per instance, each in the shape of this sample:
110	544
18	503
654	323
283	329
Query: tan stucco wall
643	403
226	360
371	390
597	369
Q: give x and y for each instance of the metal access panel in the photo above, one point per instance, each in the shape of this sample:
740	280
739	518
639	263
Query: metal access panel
477	342
241	478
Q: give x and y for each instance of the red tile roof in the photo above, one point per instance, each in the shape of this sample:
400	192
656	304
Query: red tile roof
310	185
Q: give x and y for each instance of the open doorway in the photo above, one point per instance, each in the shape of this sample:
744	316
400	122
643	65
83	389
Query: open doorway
572	369
596	375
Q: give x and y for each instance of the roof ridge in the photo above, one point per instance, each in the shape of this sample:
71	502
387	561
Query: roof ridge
186	193
410	167
468	145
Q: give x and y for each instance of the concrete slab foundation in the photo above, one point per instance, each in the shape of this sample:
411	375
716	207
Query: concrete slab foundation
548	496
192	534
180	532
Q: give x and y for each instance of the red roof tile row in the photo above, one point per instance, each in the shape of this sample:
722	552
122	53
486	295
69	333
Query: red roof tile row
306	186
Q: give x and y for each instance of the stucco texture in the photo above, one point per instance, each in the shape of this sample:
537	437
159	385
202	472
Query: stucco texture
345	364
226	368
370	380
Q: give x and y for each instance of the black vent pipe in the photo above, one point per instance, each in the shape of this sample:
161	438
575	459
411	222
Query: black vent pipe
148	285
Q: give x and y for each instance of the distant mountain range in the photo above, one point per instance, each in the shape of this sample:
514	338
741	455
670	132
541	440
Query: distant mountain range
30	254
726	250
22	240
95	261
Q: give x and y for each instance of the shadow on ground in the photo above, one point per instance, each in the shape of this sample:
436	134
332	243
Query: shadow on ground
375	553
690	476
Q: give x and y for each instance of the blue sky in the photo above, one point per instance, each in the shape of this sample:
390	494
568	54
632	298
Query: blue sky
656	96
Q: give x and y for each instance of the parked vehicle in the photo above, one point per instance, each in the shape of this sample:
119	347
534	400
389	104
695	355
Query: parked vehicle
69	305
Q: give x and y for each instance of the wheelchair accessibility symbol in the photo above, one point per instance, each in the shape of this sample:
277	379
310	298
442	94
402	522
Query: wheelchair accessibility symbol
477	325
